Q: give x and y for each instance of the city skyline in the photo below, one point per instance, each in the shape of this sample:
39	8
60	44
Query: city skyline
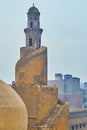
64	26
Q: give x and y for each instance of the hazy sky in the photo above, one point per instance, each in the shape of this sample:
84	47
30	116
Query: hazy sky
65	34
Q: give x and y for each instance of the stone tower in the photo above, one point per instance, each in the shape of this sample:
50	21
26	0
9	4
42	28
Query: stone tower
44	109
33	31
32	65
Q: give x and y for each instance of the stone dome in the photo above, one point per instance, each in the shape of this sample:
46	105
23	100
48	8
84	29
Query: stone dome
13	114
33	10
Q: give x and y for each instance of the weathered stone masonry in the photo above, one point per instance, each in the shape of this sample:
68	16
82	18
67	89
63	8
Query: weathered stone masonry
45	110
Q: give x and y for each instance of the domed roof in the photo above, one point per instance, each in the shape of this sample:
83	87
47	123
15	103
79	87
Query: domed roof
32	10
13	114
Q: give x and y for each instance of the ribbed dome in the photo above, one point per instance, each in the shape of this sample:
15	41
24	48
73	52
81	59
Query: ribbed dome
33	10
13	114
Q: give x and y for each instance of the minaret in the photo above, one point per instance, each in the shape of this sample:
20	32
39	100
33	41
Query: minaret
32	65
33	31
31	81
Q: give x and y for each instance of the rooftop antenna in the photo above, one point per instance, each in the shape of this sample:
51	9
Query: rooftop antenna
33	4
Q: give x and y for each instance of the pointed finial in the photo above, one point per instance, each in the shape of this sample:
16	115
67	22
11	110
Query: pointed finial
33	4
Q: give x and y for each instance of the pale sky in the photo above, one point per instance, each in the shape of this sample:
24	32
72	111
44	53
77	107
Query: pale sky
65	34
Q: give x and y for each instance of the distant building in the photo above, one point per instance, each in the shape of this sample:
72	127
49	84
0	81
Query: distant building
71	84
85	85
68	89
75	100
84	93
78	119
59	82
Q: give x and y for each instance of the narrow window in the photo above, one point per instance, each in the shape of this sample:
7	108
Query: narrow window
72	127
83	124
80	125
35	18
76	126
39	43
30	41
31	24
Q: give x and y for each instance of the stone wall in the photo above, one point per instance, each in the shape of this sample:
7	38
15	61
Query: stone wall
47	100
32	68
58	119
39	100
45	111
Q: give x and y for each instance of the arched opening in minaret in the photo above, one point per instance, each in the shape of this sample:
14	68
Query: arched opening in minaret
31	24
39	43
30	41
